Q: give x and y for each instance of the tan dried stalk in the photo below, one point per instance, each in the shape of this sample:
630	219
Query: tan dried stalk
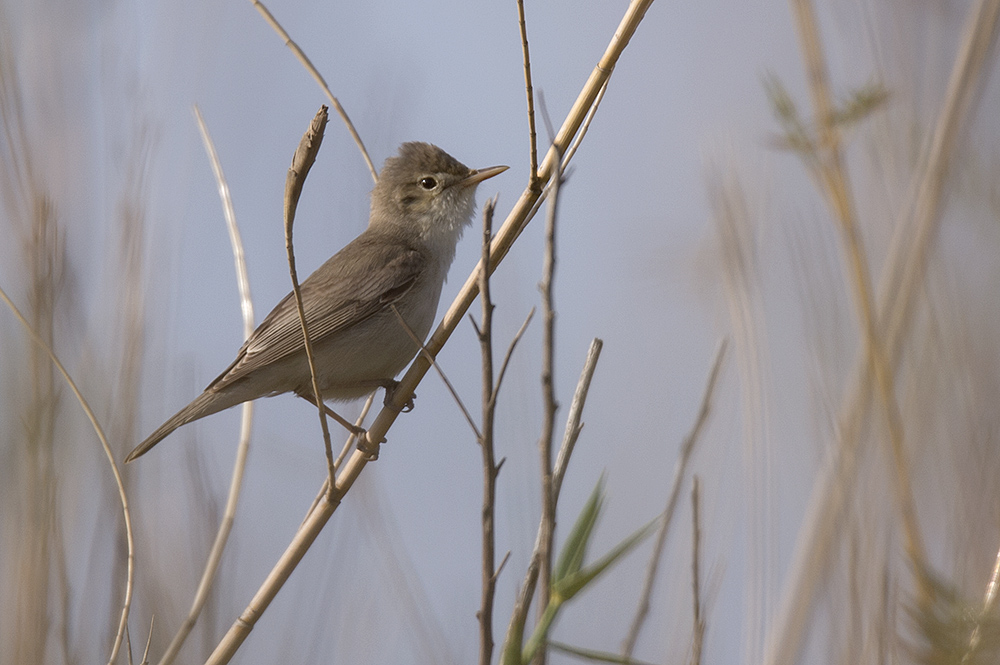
246	420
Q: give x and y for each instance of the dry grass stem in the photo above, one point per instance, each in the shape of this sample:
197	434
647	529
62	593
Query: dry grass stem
904	269
833	179
532	136
573	420
345	449
304	59
680	468
290	558
115	471
305	156
246	420
591	112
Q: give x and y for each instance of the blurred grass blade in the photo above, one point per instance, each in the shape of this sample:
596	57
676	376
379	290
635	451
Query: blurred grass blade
540	636
575	547
575	581
594	655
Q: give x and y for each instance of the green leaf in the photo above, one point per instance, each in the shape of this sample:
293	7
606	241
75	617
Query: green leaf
575	547
511	654
574	582
541	634
594	655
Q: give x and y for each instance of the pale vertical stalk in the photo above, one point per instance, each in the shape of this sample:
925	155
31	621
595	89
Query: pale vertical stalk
515	629
741	277
246	420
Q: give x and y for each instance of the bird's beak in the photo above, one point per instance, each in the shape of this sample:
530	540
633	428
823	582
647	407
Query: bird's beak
478	175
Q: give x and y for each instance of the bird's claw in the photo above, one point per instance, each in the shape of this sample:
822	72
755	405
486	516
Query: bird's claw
390	394
369	448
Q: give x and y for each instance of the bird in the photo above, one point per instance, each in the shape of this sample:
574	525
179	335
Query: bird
423	200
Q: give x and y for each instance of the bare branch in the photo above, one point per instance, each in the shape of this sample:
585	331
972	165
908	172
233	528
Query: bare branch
668	512
488	554
510	352
532	138
573	426
549	405
699	621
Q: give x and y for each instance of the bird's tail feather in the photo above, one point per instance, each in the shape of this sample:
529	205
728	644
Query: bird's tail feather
205	404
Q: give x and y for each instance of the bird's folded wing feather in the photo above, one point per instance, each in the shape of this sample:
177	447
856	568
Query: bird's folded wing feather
361	280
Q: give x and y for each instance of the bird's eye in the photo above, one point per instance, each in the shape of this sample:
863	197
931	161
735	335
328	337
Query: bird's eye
428	183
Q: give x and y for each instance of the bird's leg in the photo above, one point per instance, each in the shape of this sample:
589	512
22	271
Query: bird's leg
370	450
359	432
390	387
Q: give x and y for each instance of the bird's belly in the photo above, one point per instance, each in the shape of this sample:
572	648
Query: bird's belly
354	362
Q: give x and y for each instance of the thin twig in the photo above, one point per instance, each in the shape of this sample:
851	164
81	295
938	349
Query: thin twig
510	352
345	449
698	629
549	405
305	156
304	59
680	467
126	513
242	449
532	138
573	424
488	514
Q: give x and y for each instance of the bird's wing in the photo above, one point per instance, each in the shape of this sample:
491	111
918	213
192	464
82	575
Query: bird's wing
362	279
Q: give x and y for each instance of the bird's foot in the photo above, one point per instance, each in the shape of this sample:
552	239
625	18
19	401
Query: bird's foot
390	387
369	448
359	432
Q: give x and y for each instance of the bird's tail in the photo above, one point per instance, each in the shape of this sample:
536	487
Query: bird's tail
205	404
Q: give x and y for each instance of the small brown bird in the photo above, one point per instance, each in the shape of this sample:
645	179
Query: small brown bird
423	201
